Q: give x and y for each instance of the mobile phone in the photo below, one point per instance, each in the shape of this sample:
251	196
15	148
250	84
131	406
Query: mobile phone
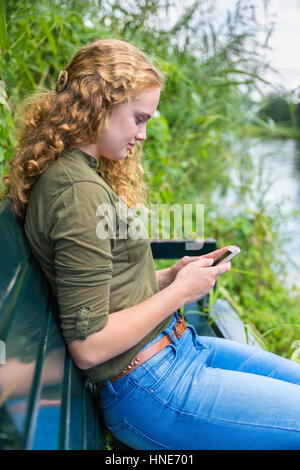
230	253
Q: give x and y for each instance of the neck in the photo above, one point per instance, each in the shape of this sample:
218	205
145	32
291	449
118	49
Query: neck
91	149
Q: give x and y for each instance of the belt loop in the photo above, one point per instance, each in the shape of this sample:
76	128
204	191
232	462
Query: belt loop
180	320
171	335
169	330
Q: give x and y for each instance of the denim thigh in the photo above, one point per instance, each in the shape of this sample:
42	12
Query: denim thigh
182	399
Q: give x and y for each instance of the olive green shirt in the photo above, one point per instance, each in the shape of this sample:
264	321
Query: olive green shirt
77	231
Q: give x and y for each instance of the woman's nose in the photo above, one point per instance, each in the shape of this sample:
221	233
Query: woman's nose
142	134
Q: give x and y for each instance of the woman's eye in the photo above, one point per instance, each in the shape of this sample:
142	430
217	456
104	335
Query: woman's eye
138	120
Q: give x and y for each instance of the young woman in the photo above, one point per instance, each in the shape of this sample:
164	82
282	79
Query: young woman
162	386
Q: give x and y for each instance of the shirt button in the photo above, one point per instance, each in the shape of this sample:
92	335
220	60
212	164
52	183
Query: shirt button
84	311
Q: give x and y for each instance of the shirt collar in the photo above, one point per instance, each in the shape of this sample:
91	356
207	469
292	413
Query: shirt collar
91	161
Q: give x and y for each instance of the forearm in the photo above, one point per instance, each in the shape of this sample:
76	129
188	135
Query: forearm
126	328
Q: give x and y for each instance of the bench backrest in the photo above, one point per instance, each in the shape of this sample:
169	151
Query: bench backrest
44	400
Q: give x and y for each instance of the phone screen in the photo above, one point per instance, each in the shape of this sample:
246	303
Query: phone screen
217	261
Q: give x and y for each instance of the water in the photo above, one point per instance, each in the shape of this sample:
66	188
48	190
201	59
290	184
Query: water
276	176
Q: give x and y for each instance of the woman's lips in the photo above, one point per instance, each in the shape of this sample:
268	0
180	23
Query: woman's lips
129	146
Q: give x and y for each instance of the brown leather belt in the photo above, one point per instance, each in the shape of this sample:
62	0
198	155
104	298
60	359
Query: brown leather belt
149	352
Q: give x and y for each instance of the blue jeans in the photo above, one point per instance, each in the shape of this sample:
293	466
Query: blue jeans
206	393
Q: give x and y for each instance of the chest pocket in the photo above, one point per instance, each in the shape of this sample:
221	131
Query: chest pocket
120	251
137	240
137	249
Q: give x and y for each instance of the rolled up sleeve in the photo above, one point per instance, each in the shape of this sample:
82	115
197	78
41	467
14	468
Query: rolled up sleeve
82	260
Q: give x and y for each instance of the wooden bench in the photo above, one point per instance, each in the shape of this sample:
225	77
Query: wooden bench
45	403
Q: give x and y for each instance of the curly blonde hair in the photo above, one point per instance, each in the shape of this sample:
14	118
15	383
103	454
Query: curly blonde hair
100	76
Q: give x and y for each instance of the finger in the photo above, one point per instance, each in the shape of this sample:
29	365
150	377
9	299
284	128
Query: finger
222	268
204	261
185	261
187	258
214	254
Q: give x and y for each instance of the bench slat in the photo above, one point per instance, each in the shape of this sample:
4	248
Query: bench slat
32	409
175	249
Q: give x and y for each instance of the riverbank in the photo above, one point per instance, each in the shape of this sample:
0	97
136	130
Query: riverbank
265	279
273	131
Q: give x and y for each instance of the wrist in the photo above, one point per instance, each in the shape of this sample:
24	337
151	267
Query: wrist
164	278
178	292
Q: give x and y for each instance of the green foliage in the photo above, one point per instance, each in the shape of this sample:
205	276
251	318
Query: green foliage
201	99
279	115
276	108
204	115
42	37
156	159
257	283
6	126
2	30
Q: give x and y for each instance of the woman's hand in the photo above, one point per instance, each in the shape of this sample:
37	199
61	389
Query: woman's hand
174	270
196	279
166	276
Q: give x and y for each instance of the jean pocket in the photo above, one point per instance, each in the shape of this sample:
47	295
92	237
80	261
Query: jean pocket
114	393
132	437
196	338
154	370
